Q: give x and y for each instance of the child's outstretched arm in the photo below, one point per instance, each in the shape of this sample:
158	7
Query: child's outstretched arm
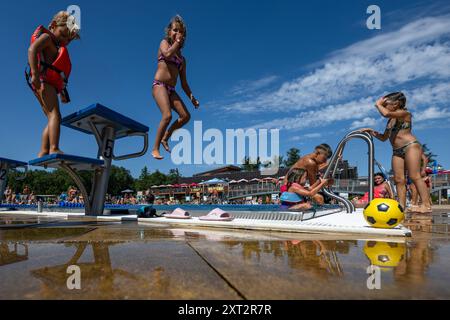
37	46
185	86
309	193
382	137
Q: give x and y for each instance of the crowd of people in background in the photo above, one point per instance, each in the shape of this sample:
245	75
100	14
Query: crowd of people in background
27	196
73	195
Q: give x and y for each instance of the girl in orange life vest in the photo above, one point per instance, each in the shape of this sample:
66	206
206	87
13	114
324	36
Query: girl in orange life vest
171	64
49	68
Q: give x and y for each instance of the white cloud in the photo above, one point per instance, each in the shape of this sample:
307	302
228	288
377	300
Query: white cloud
313	135
414	33
321	117
418	51
366	122
362	113
247	86
432	113
428	95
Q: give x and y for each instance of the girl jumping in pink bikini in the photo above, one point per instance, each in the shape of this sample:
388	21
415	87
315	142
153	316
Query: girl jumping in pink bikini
171	64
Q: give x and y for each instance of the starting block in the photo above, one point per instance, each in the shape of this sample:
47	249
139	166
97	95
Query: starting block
106	126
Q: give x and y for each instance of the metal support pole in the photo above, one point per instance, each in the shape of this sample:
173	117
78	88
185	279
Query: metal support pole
105	152
3	182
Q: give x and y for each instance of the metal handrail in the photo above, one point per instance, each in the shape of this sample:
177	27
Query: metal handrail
98	138
332	167
137	154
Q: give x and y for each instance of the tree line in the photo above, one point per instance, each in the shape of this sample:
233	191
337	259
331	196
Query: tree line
44	182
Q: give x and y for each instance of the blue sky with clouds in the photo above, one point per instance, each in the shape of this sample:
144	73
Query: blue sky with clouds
311	69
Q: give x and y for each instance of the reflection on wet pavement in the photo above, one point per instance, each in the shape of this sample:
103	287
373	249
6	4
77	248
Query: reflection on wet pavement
132	261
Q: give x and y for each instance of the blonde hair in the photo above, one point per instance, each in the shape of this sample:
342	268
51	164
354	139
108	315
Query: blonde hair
177	19
61	19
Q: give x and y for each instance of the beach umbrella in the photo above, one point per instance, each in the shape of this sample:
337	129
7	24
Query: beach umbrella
127	191
242	180
214	181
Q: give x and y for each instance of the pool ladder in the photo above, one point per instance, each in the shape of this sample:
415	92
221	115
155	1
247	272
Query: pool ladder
334	162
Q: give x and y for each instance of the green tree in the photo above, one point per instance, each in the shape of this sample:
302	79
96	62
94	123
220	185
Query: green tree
46	182
292	156
250	165
141	183
429	154
119	180
276	159
173	176
158	178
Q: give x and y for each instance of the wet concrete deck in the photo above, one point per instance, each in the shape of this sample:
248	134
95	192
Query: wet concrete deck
133	261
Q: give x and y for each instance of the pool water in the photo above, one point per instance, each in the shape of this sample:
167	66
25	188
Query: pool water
133	261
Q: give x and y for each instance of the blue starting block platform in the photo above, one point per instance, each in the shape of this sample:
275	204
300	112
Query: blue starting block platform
106	126
103	117
12	164
5	166
75	162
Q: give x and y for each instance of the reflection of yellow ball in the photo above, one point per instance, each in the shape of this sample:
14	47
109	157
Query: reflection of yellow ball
384	254
384	213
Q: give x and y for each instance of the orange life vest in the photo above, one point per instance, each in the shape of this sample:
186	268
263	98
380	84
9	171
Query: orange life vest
57	73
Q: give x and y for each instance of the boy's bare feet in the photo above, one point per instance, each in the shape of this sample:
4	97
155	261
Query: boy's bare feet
157	155
165	145
301	206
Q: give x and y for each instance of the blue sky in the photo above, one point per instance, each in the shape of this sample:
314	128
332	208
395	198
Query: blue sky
311	69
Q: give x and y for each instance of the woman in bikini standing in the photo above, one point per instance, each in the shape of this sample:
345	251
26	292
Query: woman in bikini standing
171	64
407	151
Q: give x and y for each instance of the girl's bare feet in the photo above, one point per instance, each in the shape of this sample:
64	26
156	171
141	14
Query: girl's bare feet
53	151
423	209
165	145
157	155
412	208
42	154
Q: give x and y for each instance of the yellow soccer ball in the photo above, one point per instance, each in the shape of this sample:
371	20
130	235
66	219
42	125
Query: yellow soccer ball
384	213
385	254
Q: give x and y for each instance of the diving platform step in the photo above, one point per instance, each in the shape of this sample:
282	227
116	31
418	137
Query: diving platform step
338	223
101	116
13	163
75	162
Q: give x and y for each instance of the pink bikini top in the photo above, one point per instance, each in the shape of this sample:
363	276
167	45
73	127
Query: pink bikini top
178	62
